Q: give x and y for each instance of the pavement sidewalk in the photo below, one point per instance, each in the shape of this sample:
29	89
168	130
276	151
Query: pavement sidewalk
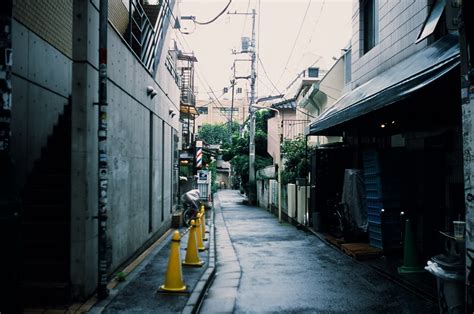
138	293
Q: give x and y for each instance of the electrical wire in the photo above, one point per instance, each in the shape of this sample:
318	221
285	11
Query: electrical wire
294	44
276	89
215	18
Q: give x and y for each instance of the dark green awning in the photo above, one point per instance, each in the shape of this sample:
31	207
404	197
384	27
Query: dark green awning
393	85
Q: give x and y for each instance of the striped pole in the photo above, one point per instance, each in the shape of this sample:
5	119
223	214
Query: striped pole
199	158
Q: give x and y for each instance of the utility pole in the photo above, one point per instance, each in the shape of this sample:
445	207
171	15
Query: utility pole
253	78
252	183
232	101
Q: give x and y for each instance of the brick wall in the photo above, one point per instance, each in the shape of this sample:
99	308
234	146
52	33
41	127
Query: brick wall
51	20
118	15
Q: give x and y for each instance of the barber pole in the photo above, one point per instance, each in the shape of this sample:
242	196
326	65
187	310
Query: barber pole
198	154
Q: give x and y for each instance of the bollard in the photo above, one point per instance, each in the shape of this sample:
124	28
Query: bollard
199	242
192	256
174	274
203	224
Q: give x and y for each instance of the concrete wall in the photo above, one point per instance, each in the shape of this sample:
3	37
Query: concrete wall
41	85
399	25
139	148
52	63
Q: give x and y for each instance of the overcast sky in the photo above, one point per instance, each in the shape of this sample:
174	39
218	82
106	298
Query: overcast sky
325	31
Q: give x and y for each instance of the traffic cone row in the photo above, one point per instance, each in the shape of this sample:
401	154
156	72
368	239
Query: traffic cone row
174	274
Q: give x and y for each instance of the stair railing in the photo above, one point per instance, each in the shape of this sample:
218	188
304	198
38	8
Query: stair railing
142	36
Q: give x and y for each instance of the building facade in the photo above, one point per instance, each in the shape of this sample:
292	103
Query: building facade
55	145
399	122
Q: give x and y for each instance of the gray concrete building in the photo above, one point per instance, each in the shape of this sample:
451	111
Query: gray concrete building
55	144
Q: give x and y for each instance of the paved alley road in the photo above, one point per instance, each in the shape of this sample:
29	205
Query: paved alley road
264	266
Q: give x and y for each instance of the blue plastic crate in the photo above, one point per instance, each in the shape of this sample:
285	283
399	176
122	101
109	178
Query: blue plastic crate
375	203
371	167
373	218
376	243
382	202
375	229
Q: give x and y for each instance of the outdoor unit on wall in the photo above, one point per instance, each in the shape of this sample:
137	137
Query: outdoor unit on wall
313	72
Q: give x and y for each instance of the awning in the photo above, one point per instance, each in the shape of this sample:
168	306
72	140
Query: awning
393	85
188	109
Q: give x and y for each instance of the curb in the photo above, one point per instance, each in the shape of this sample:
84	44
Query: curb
195	299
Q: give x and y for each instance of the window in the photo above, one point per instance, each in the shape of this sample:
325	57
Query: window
239	90
347	66
202	110
227	110
313	72
369	23
226	90
432	23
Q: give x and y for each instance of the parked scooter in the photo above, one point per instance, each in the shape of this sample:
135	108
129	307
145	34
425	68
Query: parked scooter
191	203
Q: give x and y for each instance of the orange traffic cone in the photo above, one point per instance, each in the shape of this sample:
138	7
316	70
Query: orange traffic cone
203	223
192	256
174	274
199	242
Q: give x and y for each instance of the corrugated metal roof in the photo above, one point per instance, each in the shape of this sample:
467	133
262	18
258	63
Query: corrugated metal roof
393	85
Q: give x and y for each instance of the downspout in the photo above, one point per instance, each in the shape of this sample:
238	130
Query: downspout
102	291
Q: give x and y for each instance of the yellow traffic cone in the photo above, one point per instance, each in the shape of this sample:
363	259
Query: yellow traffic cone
199	242
203	224
174	274
192	256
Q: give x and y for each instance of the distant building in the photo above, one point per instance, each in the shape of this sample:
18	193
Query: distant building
221	110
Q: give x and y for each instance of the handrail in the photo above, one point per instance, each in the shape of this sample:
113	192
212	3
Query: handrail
143	36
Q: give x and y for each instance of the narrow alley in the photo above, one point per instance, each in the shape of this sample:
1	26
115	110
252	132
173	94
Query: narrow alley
264	266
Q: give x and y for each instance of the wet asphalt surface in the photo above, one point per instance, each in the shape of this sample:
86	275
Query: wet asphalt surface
264	266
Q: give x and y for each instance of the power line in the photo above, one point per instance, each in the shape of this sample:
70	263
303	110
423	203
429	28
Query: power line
276	89
193	18
296	40
268	77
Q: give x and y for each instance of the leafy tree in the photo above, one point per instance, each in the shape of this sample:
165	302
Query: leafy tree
237	150
214	134
294	159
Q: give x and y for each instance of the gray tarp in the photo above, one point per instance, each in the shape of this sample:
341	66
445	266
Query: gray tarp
353	195
395	84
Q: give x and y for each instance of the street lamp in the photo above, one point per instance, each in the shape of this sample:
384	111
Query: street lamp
280	134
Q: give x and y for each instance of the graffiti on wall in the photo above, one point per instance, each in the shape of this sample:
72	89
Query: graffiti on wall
5	84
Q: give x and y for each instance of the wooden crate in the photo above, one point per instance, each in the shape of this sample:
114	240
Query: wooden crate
334	241
361	251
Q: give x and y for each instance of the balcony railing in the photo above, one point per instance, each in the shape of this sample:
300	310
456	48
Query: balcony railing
187	96
145	30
